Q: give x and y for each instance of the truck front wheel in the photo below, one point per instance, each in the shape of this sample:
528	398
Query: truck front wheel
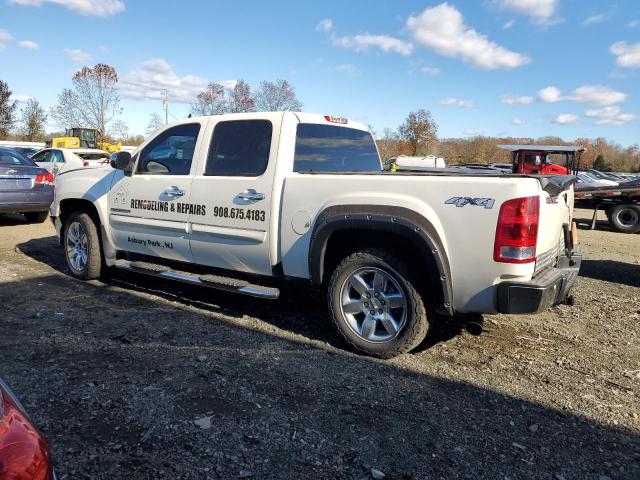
82	246
376	305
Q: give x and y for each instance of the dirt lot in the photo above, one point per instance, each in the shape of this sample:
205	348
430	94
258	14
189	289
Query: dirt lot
136	378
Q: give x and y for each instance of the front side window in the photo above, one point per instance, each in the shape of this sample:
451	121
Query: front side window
171	152
240	148
329	148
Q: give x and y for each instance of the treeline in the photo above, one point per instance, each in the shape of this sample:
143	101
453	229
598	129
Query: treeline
417	135
93	101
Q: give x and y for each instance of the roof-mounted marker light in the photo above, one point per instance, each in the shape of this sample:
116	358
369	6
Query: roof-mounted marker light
332	119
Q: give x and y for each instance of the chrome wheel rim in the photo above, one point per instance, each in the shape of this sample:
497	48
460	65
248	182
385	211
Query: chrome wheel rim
627	217
373	305
77	245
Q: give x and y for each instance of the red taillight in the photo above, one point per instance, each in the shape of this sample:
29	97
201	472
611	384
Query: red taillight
45	179
517	231
23	452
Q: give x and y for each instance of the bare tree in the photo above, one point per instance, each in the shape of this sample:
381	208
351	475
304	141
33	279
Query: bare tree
211	101
119	130
419	130
155	124
240	99
7	109
276	97
33	119
93	100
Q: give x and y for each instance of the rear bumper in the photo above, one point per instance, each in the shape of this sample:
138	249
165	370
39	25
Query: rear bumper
23	207
544	291
37	200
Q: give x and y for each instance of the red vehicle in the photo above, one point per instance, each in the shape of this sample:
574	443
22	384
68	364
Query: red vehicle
24	454
530	159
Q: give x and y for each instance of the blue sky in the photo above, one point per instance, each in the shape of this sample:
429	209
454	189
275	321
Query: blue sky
498	67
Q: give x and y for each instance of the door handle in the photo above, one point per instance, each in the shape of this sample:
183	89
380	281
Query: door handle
173	192
251	195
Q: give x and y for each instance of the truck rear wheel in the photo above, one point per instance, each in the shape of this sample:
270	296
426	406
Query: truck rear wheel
82	246
625	218
376	305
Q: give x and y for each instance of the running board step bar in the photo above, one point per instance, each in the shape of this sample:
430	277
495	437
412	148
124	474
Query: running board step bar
218	282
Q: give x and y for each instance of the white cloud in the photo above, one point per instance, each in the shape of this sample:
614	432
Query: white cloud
634	24
540	10
597	95
78	55
5	37
550	95
626	55
433	71
28	44
325	25
456	102
610	115
511	100
21	98
442	29
92	8
347	68
597	18
471	132
565	119
517	121
363	42
508	24
156	75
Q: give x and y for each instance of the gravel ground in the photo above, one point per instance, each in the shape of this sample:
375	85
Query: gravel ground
138	378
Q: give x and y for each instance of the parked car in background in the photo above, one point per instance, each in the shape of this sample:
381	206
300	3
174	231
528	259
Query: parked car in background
24	453
58	160
24	187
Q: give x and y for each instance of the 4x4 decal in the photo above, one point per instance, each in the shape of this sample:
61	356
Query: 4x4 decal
478	202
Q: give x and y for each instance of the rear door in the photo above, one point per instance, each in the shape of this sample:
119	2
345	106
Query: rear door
234	184
149	209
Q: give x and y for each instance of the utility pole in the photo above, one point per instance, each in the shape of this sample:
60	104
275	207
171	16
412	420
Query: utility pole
165	106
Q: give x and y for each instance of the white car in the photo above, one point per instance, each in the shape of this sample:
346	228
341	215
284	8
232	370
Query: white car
235	201
58	160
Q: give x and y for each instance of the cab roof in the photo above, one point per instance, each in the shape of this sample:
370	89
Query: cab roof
544	148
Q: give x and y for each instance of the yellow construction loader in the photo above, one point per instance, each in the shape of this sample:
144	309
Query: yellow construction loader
82	138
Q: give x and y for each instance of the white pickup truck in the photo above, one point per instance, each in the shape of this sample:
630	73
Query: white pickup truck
247	202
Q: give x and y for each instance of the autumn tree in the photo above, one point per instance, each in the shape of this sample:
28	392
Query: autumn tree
277	96
93	100
7	109
155	124
33	120
240	98
210	101
419	130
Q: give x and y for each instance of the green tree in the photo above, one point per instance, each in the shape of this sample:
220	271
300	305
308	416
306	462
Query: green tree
7	109
33	119
600	164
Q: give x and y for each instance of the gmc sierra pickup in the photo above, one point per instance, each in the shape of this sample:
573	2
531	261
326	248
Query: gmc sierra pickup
232	201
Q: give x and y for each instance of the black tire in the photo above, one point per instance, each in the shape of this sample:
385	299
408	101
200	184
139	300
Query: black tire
36	217
93	265
416	325
625	218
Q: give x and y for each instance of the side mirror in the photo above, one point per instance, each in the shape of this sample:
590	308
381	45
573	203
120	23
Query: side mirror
122	161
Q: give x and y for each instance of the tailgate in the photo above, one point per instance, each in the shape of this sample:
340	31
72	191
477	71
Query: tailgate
556	214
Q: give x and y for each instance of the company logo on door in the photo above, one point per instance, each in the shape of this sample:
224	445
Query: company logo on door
173	207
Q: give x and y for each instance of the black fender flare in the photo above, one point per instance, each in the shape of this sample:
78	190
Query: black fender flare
381	218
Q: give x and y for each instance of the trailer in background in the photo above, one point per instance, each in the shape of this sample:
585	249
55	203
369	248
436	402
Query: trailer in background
620	203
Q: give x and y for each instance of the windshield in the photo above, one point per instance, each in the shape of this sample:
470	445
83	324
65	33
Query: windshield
329	148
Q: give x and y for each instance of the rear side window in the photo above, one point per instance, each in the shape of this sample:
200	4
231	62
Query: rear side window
9	159
240	148
328	148
171	152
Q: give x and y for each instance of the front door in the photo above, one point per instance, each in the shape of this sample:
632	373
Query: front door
149	209
234	184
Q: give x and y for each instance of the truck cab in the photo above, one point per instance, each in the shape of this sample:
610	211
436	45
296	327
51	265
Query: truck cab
539	159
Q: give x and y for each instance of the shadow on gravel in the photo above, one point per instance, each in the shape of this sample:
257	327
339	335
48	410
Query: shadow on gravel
116	381
299	309
12	219
611	271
